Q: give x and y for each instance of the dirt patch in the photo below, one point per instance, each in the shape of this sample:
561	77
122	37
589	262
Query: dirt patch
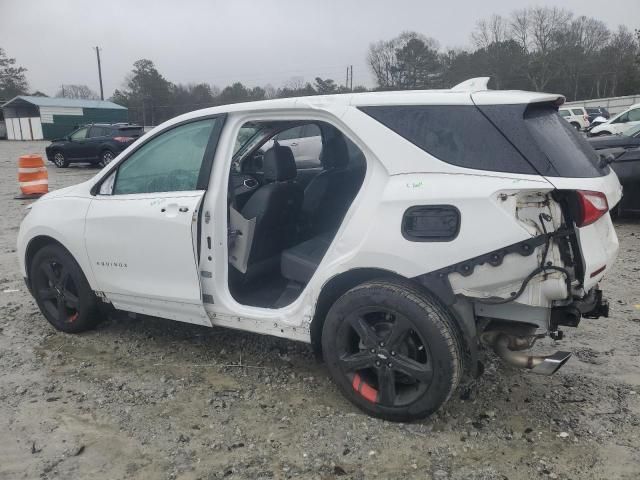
151	398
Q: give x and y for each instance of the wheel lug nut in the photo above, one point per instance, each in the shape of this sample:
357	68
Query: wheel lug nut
373	350
389	364
393	354
377	363
381	344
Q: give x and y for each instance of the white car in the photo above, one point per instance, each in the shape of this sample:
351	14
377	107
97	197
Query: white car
619	123
576	116
440	222
304	141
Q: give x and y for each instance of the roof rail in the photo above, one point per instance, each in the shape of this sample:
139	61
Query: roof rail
472	85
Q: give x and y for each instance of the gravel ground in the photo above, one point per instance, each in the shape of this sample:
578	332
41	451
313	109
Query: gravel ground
150	398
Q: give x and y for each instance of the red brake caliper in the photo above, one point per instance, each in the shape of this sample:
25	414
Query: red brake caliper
73	317
364	389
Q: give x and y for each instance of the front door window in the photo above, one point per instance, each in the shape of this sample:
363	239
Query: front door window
169	163
79	134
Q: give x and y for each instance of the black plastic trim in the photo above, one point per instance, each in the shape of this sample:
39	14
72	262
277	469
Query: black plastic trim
438	280
433	211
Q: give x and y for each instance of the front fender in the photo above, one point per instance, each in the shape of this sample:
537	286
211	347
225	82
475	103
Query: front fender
62	220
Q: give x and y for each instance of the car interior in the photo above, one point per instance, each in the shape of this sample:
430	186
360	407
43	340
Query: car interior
285	209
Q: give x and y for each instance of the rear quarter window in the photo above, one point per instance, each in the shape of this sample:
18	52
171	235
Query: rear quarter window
548	141
457	134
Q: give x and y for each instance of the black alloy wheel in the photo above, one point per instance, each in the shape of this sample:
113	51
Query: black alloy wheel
62	291
392	350
386	360
60	160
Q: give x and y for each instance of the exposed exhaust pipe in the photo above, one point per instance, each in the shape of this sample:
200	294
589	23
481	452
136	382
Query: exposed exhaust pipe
544	365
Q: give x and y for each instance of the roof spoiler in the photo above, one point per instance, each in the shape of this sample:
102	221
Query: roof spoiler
472	85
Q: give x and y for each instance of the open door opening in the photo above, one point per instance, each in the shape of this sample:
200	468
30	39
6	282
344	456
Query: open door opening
290	186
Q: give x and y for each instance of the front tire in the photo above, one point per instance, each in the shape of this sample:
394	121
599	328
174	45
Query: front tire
62	291
575	125
106	157
60	160
392	350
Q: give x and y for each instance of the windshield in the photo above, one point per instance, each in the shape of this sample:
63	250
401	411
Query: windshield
246	133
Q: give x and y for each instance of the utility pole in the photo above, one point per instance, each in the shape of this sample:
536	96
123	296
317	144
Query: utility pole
351	79
62	87
100	73
346	82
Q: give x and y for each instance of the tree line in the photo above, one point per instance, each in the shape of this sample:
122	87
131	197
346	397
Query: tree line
539	48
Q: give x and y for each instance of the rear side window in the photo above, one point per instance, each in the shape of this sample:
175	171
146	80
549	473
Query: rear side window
128	132
546	140
577	112
457	134
97	132
564	113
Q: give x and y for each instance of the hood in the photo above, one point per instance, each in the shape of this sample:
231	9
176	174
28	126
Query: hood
73	190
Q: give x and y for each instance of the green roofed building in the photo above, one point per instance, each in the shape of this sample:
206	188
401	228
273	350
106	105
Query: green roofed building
38	118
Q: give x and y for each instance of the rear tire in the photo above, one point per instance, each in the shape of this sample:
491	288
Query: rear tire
62	291
392	350
60	160
575	125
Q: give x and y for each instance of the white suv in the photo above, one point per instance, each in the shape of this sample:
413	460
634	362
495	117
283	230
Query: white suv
576	116
438	223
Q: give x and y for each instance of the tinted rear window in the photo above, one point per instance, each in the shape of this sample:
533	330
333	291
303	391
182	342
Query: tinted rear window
457	134
546	140
128	131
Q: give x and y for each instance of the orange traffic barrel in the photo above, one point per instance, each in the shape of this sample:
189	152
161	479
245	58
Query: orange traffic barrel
32	176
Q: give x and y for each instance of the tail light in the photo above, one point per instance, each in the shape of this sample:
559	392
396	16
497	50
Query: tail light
123	139
593	205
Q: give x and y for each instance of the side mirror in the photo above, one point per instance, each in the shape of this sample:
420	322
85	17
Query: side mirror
68	138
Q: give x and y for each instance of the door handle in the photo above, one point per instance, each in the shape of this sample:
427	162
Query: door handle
172	209
294	144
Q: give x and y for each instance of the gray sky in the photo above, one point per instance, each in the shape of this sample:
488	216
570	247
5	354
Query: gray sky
255	42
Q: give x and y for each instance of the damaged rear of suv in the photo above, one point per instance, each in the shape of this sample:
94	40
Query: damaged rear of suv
531	229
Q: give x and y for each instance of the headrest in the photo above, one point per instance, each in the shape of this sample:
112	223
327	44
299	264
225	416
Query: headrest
278	164
335	153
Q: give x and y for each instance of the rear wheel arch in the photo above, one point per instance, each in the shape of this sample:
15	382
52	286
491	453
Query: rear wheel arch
333	289
340	284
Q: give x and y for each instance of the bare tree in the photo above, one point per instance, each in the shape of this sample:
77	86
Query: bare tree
76	91
493	30
538	30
